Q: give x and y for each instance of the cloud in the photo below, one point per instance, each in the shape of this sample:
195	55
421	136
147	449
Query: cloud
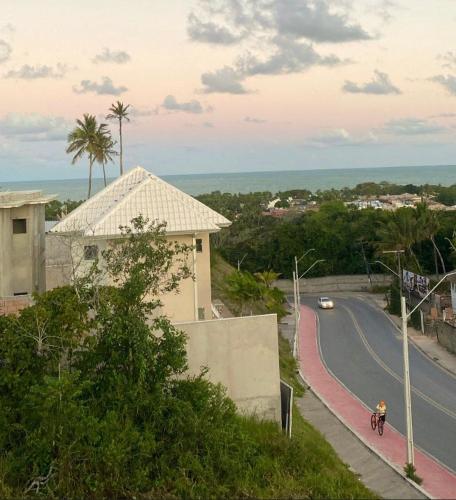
449	59
289	57
141	112
339	137
112	56
315	21
170	103
106	87
379	85
225	80
249	119
210	32
5	51
31	127
276	36
412	126
27	72
448	82
8	29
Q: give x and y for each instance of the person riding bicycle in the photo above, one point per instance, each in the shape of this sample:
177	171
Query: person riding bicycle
381	410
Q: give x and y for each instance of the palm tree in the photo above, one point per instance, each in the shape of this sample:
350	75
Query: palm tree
400	232
83	140
119	112
105	149
429	225
267	277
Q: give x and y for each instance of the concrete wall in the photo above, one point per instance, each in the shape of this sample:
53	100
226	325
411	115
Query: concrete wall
242	354
343	283
445	333
22	256
64	256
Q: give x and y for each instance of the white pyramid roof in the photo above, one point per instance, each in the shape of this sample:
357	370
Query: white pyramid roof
135	193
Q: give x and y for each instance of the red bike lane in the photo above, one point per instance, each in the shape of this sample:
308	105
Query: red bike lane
438	482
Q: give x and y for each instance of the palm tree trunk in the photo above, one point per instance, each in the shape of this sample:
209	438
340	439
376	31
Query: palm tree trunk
412	254
90	176
436	248
121	149
436	264
104	173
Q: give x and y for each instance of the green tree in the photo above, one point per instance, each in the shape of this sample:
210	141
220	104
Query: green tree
105	150
84	140
119	112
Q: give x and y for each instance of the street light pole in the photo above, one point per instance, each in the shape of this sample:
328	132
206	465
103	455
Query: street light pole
407	392
407	389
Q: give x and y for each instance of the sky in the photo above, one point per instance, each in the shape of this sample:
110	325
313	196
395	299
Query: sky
229	85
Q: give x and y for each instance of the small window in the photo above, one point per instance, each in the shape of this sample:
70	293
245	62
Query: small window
201	315
199	245
19	226
19	293
90	252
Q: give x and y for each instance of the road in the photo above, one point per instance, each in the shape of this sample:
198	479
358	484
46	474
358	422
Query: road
363	349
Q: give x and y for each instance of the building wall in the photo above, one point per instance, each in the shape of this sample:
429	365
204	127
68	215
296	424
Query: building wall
243	355
65	254
22	256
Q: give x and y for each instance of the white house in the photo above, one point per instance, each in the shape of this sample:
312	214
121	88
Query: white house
95	223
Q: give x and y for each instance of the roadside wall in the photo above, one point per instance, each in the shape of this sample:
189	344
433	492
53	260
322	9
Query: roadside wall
343	283
445	332
242	354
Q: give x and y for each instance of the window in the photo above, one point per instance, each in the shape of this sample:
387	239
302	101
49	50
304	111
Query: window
90	252
199	245
19	293
19	226
201	313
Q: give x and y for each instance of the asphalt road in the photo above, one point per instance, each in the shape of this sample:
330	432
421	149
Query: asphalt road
363	349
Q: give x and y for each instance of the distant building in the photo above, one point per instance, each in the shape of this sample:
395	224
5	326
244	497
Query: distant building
84	233
22	243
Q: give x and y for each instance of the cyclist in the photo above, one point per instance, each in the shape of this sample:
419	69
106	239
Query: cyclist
381	410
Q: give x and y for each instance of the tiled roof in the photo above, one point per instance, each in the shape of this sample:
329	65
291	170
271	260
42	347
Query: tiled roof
135	193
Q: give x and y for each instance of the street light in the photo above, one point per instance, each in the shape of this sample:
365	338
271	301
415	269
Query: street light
240	261
408	403
297	301
387	267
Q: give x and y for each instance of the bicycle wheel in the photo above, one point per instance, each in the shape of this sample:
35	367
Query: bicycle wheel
373	421
380	427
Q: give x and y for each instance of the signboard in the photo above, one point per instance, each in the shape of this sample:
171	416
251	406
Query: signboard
415	283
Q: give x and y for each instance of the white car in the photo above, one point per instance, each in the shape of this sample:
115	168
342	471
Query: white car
325	303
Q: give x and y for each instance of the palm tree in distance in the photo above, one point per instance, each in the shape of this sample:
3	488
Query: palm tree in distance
83	140
119	112
105	149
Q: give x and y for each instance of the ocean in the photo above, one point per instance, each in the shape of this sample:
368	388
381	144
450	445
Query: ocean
274	181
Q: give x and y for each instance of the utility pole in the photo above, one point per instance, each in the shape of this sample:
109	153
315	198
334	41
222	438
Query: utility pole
406	366
408	409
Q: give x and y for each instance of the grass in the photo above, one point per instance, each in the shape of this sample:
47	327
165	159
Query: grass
305	466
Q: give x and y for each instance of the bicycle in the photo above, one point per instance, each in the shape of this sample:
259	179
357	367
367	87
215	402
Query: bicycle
377	423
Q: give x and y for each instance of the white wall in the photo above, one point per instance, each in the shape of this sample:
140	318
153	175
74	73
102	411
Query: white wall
243	355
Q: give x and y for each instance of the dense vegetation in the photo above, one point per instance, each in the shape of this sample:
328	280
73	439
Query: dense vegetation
95	403
349	240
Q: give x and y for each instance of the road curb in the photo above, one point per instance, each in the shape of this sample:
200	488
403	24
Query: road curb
370	448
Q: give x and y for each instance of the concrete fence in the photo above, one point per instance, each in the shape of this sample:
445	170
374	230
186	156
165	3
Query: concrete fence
343	283
241	354
445	333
